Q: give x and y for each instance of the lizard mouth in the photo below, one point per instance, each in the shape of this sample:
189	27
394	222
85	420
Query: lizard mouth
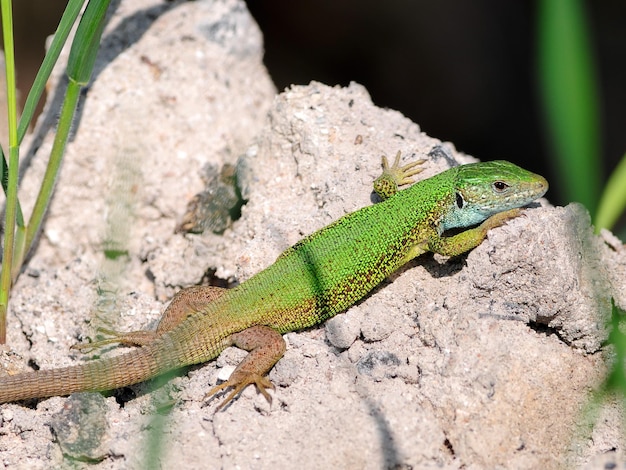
540	186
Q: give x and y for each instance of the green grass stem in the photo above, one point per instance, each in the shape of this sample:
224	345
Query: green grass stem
568	86
17	243
613	200
11	202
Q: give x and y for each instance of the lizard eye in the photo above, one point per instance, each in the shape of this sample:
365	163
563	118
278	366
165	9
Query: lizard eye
500	186
460	202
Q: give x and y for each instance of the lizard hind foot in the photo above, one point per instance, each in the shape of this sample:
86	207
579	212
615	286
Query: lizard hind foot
239	383
266	346
133	338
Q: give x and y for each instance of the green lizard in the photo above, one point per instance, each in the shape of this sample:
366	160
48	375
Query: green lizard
316	278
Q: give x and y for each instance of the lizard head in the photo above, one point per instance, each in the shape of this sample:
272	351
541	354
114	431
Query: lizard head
484	189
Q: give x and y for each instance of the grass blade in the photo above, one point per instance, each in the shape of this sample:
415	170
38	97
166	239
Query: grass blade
568	89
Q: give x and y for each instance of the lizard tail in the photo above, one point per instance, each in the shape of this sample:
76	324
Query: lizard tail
103	374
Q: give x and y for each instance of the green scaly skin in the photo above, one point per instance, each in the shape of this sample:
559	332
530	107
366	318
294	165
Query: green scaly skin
318	277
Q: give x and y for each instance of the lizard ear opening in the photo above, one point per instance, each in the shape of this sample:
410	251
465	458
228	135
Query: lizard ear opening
460	202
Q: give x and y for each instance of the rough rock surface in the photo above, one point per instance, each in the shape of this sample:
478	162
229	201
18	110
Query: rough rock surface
484	361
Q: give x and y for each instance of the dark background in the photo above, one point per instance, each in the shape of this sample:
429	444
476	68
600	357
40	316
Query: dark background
464	71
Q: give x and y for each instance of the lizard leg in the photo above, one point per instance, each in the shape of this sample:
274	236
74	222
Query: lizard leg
468	239
386	185
185	303
266	346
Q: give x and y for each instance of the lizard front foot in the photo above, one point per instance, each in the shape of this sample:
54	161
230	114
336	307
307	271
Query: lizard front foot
386	185
499	219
